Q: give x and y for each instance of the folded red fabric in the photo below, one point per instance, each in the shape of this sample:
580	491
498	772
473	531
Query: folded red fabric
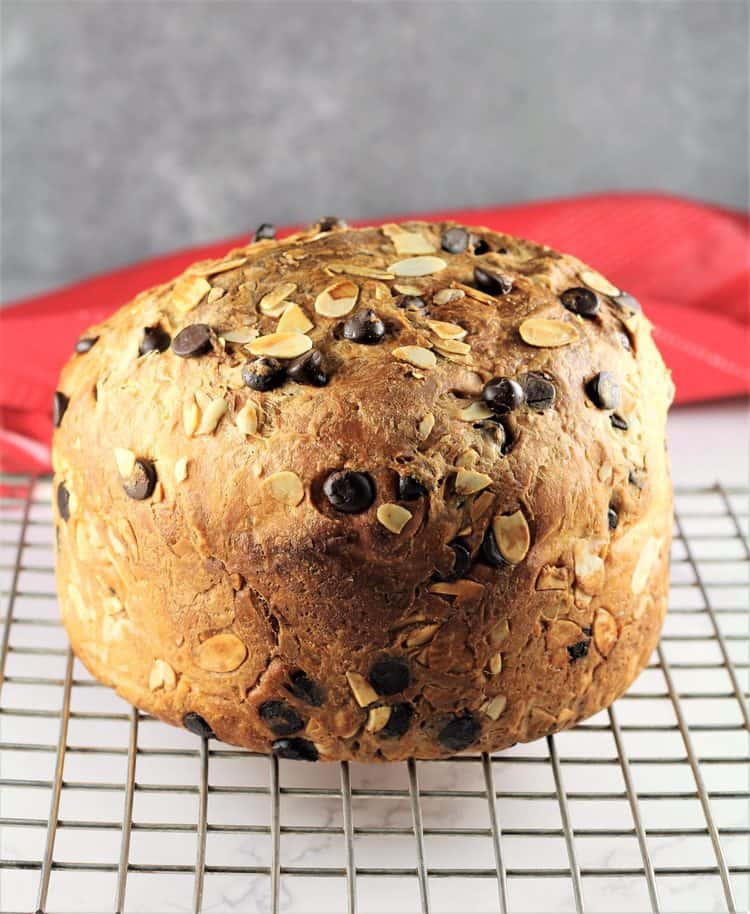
686	262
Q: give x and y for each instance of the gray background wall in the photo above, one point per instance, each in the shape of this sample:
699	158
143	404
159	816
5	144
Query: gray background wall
130	128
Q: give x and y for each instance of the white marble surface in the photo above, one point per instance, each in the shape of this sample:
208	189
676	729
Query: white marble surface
708	443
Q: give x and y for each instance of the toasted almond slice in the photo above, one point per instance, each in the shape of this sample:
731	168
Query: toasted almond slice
221	653
605	631
464	589
552	577
405	289
512	536
454	347
499	632
188	292
180	469
286	487
125	461
495	706
241	335
271	301
338	299
211	416
281	345
645	563
247	419
363	692
589	567
447	331
496	664
474	412
407	242
444	296
598	283
211	269
215	294
469	481
468	459
357	269
544	333
377	718
426	426
476	294
294	320
418	266
393	517
421	635
480	505
417	356
162	676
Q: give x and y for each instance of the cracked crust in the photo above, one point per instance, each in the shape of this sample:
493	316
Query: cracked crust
222	580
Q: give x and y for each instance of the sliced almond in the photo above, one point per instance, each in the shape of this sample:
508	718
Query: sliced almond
496	664
338	299
468	459
645	564
405	289
180	469
470	481
604	631
426	426
247	419
286	487
377	718
589	567
356	269
363	692
188	292
190	417
495	706
221	653
463	588
453	347
162	676
294	320
274	302
407	242
221	266
512	536
125	461
211	416
553	577
544	333
476	294
480	504
417	356
447	331
393	517
281	345
499	632
598	283
215	294
242	335
474	412
445	296
417	266
421	635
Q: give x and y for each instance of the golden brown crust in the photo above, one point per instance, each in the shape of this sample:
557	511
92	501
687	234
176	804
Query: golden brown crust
203	570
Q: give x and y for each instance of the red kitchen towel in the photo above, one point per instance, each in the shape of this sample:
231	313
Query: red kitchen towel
686	262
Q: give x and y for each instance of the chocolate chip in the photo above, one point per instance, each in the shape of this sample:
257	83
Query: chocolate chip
455	240
410	488
263	373
579	649
59	405
636	478
627	301
364	327
303	688
618	422
349	492
399	721
141	482
460	732
296	748
612	518
264	231
604	391
389	676
328	223
196	724
308	368
586	629
192	341
280	718
492	282
502	395
580	301
539	391
85	343
462	560
155	339
413	303
63	501
489	552
479	246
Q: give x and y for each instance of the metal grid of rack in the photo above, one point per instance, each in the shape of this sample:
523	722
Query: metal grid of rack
646	806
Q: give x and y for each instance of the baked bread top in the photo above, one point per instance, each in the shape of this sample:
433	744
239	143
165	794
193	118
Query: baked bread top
355	443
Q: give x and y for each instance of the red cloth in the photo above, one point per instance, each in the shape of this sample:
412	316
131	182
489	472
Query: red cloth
686	262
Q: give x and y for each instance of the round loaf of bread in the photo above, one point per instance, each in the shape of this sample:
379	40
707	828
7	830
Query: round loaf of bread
367	493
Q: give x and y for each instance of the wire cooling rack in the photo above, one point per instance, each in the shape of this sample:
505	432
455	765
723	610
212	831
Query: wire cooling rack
646	806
